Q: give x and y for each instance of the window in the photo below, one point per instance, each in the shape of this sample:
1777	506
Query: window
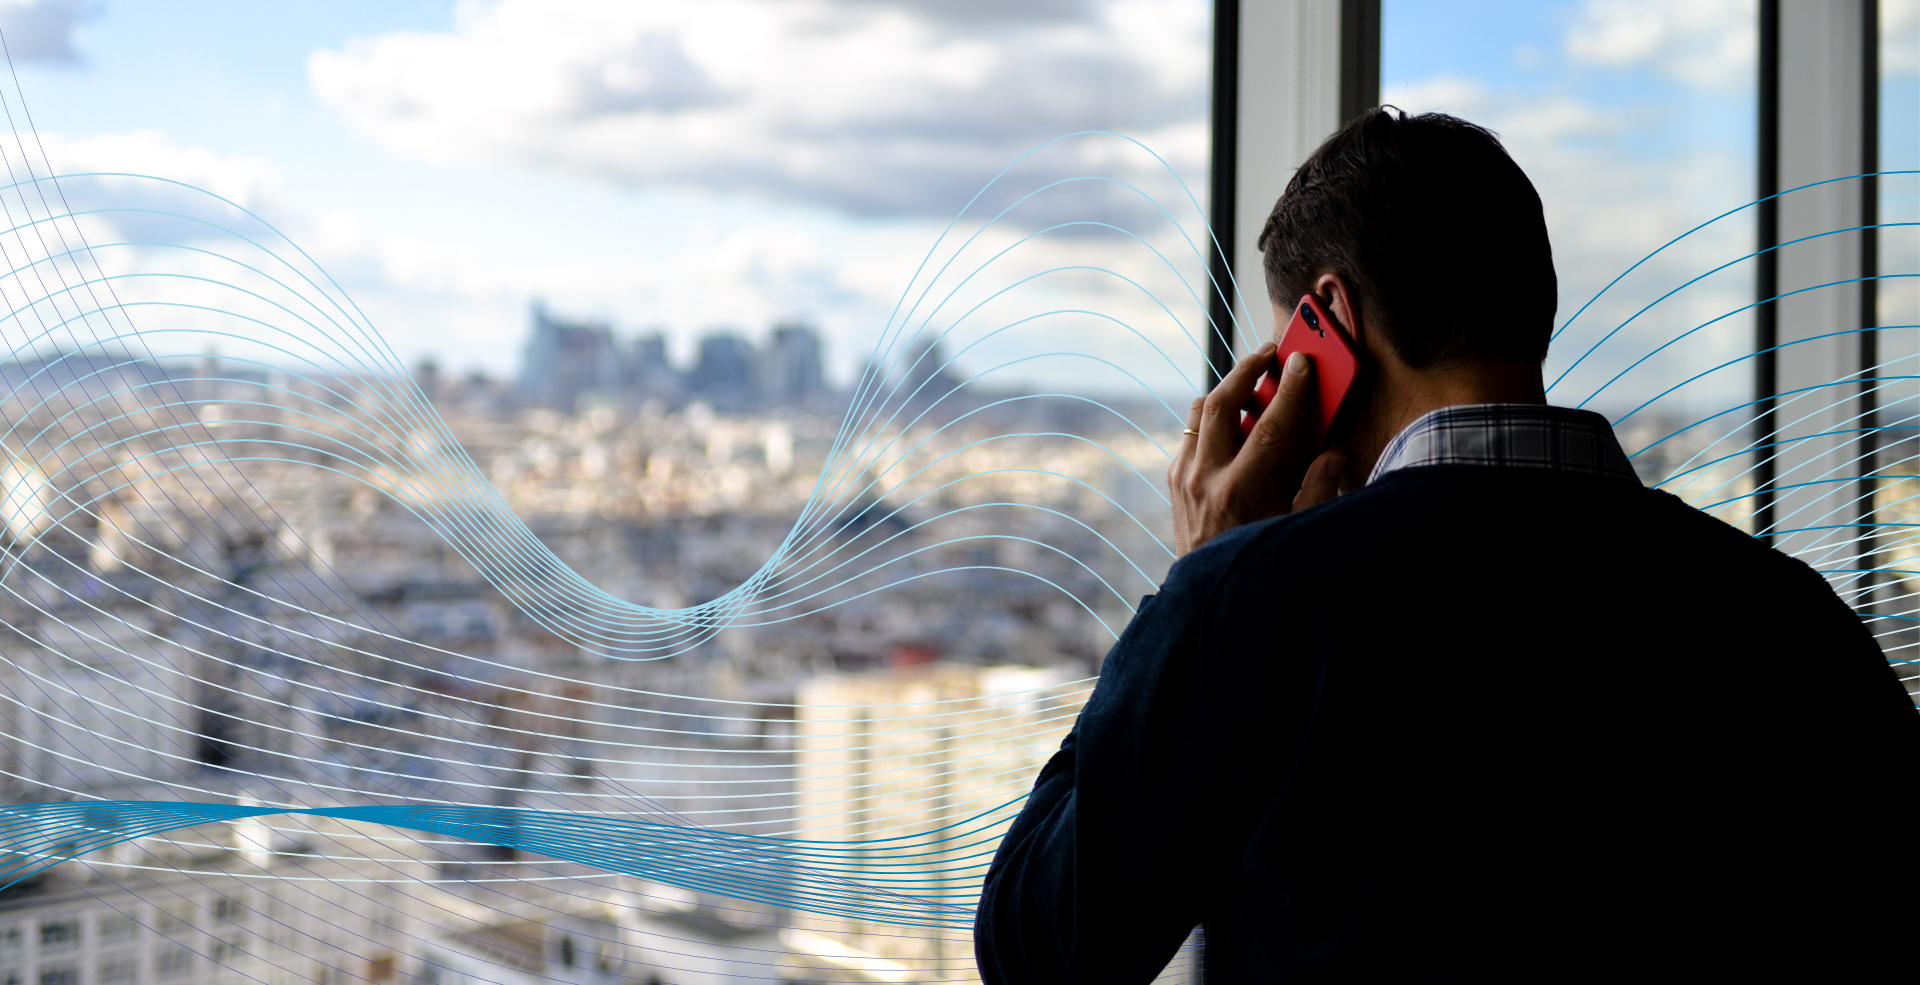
117	927
173	962
231	908
175	918
1898	246
1634	128
62	975
1895	298
118	970
1630	143
59	935
230	949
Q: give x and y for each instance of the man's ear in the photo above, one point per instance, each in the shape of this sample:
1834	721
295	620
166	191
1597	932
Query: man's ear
1336	294
1337	297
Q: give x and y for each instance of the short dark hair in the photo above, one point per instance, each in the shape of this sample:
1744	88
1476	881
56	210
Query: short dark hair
1411	210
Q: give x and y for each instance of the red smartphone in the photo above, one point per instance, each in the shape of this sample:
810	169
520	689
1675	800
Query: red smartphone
1335	366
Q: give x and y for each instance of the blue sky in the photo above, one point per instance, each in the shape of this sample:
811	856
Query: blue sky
445	250
1513	46
1635	122
687	165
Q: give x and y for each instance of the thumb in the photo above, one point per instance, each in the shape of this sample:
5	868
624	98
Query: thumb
1322	482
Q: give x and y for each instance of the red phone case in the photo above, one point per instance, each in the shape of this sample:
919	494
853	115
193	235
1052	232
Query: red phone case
1335	366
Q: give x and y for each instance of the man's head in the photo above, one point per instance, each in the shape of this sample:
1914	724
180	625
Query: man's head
1434	230
1428	243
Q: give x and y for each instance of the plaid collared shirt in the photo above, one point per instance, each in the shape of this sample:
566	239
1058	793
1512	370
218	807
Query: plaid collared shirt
1531	436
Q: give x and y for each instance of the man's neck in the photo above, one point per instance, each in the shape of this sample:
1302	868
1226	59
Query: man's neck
1401	396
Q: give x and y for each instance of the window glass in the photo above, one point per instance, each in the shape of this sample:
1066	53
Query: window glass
1635	119
230	908
684	168
1899	151
59	935
228	949
711	211
119	970
1898	311
172	961
175	917
117	926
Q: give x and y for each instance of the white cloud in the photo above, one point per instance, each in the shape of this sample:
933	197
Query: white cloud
425	293
147	210
465	299
1900	33
845	279
421	291
42	30
870	108
248	181
1707	43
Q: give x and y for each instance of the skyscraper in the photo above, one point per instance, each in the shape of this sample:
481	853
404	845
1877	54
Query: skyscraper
565	359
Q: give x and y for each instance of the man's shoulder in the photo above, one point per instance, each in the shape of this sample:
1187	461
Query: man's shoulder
1440	509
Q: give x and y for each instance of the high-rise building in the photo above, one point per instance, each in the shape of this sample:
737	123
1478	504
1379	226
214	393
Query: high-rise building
924	761
648	371
790	369
724	373
566	359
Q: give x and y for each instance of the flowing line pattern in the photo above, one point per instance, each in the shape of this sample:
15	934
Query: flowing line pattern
232	747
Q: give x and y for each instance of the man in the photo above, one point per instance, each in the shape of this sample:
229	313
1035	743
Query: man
1499	713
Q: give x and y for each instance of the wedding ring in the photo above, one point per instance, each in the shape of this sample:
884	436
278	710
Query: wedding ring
1193	432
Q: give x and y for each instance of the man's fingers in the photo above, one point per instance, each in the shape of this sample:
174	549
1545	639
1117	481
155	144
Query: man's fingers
1194	411
1280	438
1177	475
1190	438
1322	482
1220	424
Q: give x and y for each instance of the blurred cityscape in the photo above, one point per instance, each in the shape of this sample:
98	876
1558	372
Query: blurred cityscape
221	586
254	622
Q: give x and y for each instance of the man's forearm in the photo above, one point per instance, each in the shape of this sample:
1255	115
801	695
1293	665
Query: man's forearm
1023	930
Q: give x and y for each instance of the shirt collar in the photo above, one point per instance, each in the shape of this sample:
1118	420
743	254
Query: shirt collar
1509	435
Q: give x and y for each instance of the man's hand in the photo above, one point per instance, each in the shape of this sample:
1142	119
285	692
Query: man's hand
1214	489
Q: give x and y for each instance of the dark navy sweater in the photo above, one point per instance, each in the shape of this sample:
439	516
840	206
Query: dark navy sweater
1475	724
